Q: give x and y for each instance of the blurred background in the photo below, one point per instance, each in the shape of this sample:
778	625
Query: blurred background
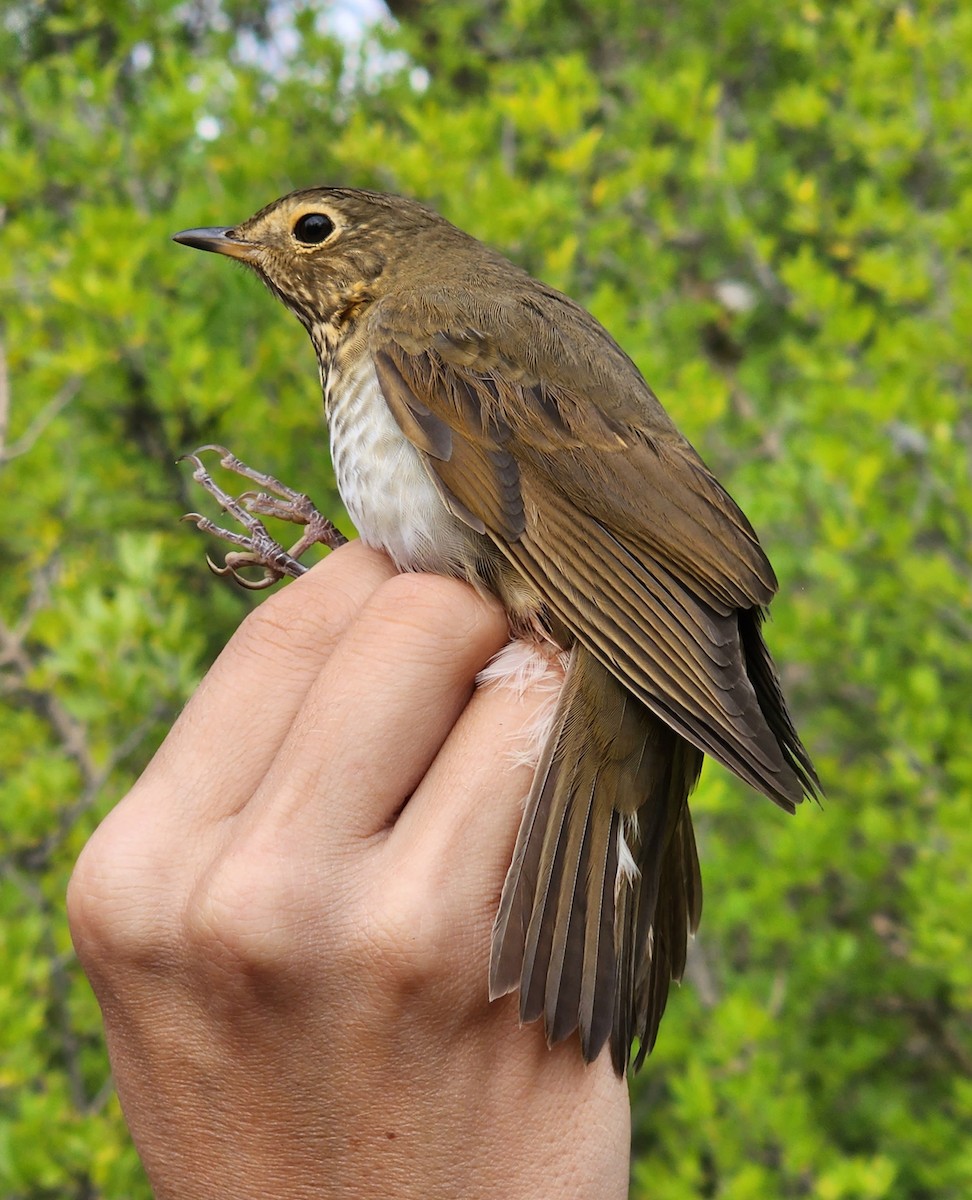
769	206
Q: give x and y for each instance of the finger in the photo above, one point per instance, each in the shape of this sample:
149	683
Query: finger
468	807
230	731
380	710
135	872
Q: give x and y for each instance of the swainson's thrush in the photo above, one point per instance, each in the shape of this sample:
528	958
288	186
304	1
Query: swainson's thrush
483	425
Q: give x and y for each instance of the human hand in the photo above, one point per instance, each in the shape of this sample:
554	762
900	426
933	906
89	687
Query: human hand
287	920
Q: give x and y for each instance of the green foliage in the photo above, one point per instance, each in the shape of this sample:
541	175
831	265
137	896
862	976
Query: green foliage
769	207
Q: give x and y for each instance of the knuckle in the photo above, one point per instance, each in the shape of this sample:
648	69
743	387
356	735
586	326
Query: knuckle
91	906
318	607
436	609
120	906
249	917
286	619
408	936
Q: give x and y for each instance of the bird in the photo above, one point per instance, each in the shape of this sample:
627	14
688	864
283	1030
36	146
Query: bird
485	426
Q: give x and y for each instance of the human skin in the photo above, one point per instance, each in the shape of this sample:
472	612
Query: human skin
287	920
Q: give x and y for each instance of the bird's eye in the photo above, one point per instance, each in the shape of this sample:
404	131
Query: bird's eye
313	228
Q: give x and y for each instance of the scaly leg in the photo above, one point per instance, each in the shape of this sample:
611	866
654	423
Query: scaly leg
258	548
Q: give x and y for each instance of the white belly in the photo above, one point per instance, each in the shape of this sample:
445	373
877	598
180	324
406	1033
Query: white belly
385	487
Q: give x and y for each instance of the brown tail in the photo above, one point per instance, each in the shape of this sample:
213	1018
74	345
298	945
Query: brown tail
605	887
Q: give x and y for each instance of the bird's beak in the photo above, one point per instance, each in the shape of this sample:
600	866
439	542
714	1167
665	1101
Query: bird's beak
219	240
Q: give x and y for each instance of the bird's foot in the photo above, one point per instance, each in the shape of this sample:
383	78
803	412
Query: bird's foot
258	548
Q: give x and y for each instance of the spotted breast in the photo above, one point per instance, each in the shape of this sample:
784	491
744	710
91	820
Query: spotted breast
389	494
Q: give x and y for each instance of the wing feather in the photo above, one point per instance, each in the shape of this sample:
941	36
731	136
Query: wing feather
640	554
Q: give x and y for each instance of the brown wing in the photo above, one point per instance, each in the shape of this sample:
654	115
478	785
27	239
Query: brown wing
616	520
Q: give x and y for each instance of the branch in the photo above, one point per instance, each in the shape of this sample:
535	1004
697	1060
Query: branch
28	439
70	732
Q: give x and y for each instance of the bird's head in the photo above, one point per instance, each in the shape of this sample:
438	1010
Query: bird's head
327	252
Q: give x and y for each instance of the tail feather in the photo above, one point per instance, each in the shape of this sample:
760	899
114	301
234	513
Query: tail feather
564	968
523	885
599	979
677	915
543	917
592	943
769	694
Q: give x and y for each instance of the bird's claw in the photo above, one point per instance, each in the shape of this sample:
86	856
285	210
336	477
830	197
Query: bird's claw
234	561
257	547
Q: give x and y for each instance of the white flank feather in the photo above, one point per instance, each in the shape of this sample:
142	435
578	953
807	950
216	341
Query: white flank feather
627	867
523	666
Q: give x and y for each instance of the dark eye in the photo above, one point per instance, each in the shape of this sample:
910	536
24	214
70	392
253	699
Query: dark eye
313	228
